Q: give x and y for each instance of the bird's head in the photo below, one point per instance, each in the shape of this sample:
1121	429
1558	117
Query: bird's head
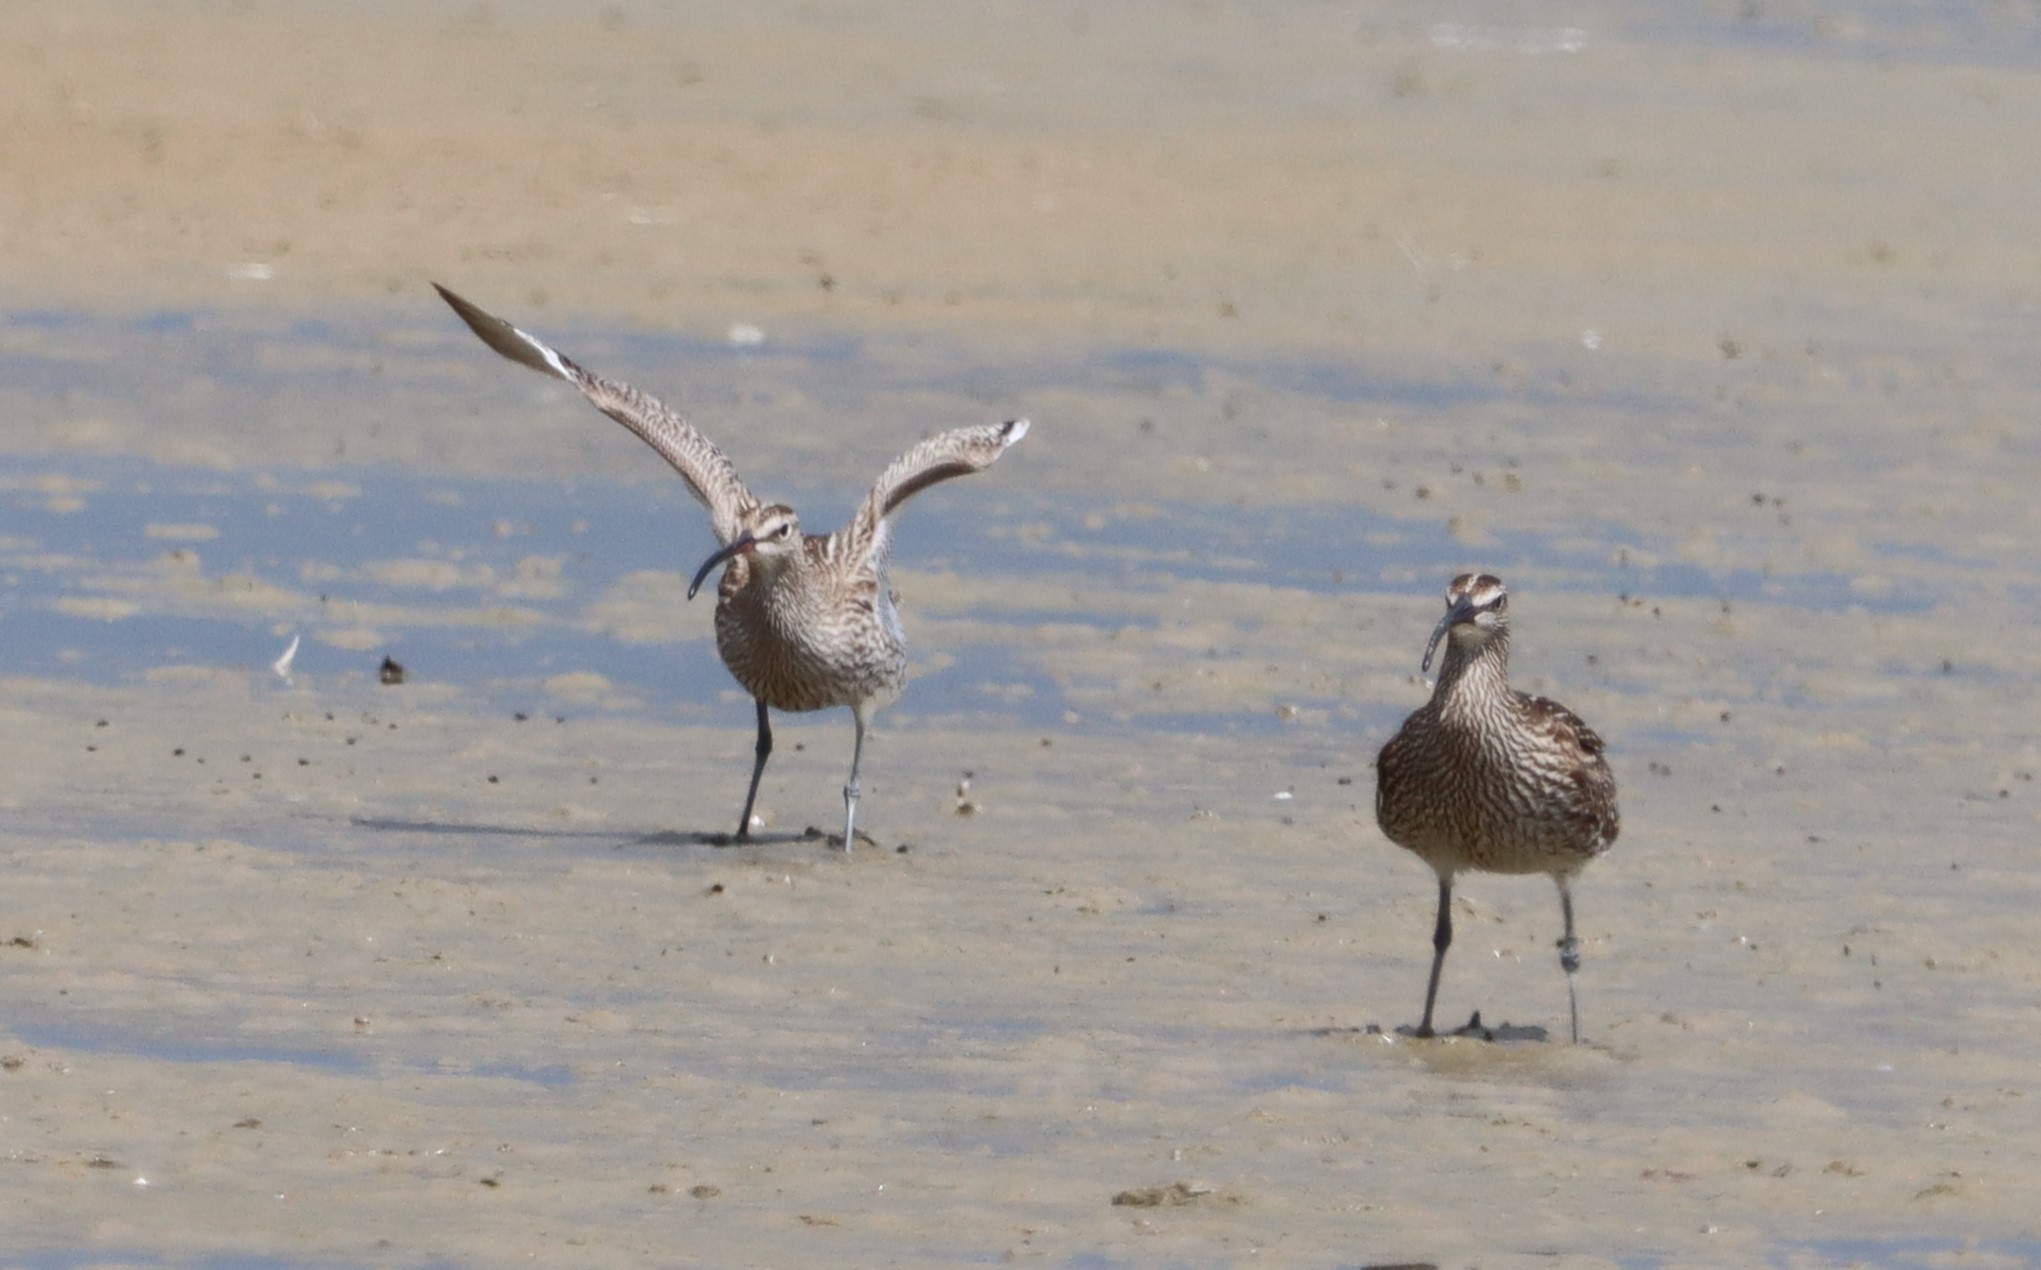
771	535
1477	612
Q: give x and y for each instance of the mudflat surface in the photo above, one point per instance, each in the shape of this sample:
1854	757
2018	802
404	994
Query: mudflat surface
1710	333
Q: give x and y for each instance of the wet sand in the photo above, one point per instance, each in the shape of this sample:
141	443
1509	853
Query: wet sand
1709	334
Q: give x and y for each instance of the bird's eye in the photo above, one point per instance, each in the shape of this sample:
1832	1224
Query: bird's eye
785	529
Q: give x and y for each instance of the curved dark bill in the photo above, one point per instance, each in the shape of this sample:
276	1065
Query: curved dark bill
1459	611
743	543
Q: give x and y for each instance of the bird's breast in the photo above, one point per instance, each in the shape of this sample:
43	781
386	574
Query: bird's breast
1489	797
800	644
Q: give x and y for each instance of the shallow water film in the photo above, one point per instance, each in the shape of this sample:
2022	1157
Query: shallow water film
1708	330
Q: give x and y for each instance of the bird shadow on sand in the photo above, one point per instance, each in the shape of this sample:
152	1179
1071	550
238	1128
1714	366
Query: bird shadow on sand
1472	1030
464	829
621	839
812	834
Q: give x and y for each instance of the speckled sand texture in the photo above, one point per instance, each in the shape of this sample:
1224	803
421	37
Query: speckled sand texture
1712	331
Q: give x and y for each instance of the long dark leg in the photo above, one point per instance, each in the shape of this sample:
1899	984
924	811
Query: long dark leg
764	752
850	788
1569	954
1442	939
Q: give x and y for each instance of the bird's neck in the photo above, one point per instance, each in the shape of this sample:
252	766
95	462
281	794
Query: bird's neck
1470	677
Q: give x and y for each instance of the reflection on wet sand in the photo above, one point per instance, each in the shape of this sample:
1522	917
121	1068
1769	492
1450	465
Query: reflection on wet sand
1174	698
1663	314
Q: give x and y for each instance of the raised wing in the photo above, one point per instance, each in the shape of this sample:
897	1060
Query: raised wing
958	452
708	473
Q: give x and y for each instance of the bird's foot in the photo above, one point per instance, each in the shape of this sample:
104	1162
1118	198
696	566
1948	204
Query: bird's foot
835	840
1504	1033
1474	1029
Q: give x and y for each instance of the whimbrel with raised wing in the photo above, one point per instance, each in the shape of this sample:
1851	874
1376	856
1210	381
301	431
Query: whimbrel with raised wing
803	622
1487	778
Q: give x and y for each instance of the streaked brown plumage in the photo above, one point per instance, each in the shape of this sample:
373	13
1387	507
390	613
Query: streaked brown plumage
1486	778
804	623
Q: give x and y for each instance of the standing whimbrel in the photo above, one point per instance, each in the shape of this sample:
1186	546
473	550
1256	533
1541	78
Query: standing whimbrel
804	623
1485	777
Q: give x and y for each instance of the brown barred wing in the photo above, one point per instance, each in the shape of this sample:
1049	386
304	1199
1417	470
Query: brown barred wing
705	468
